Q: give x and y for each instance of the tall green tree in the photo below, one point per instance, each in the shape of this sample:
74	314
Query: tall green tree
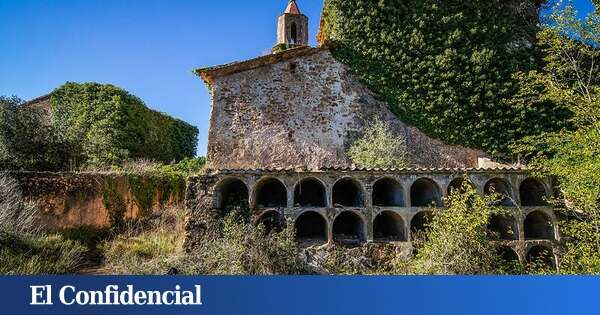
571	76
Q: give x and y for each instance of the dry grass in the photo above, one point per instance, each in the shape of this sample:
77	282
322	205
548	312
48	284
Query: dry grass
24	249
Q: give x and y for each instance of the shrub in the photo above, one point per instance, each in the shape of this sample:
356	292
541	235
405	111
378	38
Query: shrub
379	147
16	215
231	246
457	240
153	246
45	254
241	248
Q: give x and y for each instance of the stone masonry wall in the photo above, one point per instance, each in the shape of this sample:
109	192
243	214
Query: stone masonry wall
305	112
71	200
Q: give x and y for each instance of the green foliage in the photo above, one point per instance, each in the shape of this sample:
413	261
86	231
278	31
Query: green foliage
241	248
27	139
446	67
106	125
27	254
230	247
148	247
571	76
379	147
457	238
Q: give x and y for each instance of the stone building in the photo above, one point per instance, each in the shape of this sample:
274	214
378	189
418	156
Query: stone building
302	108
280	127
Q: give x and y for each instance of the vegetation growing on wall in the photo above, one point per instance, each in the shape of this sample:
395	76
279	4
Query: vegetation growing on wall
105	125
447	67
379	147
90	125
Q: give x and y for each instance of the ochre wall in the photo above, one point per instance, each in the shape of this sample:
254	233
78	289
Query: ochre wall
70	200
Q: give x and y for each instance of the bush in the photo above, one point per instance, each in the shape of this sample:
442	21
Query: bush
457	240
151	247
45	254
379	148
231	246
239	248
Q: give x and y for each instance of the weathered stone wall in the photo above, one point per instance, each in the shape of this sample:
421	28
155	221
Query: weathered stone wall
305	111
70	200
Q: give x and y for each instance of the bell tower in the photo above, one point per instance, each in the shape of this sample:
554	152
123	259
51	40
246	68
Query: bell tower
292	28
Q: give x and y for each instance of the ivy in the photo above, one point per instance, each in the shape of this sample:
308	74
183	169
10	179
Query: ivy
450	68
105	125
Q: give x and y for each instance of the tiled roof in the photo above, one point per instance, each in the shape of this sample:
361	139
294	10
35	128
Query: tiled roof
292	8
209	73
506	169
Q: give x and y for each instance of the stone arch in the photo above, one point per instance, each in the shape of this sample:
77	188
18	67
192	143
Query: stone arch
310	192
348	228
271	221
389	226
388	192
501	187
538	226
425	192
457	184
270	192
347	192
532	193
504	226
508	254
231	192
540	254
420	220
311	225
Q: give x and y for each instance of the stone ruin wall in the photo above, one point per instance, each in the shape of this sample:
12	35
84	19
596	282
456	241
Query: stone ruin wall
72	200
305	112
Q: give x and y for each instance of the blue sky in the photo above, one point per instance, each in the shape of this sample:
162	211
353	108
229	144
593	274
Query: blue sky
148	47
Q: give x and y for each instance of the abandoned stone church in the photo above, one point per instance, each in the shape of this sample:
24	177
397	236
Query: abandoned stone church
280	126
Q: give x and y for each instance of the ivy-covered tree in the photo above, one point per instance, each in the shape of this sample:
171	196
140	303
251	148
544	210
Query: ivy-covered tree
446	67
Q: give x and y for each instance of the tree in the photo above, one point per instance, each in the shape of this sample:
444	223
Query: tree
379	147
27	139
571	77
